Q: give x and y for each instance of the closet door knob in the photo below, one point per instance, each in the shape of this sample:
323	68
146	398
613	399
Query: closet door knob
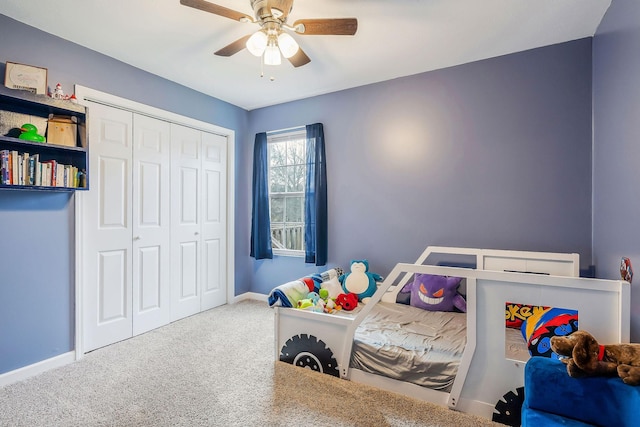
136	238
196	233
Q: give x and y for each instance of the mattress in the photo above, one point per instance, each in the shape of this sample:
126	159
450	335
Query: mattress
410	344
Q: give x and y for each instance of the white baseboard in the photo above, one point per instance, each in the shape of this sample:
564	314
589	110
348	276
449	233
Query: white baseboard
23	373
250	296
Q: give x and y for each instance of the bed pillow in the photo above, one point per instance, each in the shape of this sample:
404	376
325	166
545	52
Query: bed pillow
538	329
403	298
436	293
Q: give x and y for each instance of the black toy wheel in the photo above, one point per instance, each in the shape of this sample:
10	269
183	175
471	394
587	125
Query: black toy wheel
309	352
508	410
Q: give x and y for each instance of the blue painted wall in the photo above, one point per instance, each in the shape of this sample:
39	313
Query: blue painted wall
37	259
36	295
492	154
616	122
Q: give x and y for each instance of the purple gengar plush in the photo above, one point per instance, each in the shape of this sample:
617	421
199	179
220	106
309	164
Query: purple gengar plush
436	293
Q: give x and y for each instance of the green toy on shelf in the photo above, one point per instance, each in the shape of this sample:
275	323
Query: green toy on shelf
30	133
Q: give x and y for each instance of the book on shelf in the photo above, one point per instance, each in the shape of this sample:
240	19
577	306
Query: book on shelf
24	169
46	174
6	170
51	172
33	164
37	170
15	161
59	175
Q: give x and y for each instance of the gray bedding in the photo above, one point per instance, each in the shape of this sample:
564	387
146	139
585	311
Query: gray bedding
410	344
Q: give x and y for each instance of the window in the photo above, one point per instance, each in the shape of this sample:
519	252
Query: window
289	195
287	174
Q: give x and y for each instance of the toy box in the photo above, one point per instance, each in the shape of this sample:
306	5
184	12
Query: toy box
62	130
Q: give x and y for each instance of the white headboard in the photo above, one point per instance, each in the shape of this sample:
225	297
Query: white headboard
552	263
548	263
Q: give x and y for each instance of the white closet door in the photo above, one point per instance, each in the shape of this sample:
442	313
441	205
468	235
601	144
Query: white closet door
214	220
186	219
151	223
107	310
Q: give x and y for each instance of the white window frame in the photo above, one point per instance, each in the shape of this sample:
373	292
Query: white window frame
281	136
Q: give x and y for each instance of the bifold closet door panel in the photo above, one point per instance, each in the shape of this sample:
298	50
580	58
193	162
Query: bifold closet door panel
107	287
154	224
214	220
151	223
186	219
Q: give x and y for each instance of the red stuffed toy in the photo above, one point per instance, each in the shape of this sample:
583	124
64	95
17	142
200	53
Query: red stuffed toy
347	301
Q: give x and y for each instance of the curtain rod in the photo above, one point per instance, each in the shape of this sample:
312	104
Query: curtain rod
279	131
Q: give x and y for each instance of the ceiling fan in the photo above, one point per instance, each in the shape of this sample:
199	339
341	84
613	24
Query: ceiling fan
272	38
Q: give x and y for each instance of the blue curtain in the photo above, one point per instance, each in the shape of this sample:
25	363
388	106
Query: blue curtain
260	221
315	195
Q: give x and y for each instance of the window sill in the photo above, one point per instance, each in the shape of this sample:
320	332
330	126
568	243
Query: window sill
287	252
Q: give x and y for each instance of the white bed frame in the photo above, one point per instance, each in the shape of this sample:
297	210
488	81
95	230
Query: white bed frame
485	375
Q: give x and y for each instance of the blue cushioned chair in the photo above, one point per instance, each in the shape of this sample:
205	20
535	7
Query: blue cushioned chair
552	398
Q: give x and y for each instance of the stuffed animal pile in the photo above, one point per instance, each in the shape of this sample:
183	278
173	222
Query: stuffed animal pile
328	291
585	357
290	293
320	302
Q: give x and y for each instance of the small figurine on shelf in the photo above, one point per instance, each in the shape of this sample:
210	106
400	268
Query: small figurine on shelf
58	93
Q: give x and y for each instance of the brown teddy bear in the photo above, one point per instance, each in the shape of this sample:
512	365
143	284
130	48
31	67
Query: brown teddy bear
585	357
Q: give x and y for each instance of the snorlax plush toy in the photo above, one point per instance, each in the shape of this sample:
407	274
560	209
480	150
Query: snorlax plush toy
360	281
436	293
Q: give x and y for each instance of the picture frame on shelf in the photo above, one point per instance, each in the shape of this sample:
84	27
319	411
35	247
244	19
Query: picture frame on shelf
26	77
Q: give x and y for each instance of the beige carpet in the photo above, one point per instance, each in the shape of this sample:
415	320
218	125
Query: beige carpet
213	369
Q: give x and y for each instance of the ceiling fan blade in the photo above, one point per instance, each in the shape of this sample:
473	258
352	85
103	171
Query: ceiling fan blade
337	26
217	10
299	59
234	47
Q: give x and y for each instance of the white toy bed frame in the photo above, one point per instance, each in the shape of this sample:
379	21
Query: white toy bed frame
485	375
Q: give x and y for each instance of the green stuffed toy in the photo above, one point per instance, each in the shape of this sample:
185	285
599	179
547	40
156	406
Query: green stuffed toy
360	281
30	133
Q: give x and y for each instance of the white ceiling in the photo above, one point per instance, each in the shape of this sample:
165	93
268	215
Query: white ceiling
395	38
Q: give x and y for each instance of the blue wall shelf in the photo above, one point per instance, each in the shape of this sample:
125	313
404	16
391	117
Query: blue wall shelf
18	107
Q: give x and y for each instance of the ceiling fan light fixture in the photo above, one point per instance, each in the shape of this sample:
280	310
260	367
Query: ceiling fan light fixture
287	44
272	55
257	43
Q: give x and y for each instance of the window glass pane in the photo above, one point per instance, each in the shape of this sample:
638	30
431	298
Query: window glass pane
277	153
277	209
278	179
294	209
295	152
295	178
